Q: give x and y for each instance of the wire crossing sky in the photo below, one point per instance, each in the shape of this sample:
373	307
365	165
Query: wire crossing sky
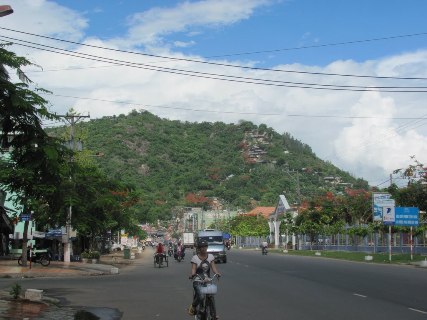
348	78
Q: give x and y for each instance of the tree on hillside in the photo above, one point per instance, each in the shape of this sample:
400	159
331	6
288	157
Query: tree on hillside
36	161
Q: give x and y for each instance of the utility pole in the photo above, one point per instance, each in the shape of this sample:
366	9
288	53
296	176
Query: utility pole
298	190
72	119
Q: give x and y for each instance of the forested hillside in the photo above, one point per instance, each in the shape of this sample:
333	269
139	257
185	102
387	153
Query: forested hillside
181	163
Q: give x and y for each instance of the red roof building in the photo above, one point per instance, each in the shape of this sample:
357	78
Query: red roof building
264	211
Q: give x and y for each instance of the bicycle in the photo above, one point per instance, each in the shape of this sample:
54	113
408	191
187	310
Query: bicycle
206	309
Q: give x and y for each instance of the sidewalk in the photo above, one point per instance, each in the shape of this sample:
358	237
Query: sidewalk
50	308
108	264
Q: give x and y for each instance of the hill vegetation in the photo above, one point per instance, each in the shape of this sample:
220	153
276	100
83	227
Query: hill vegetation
175	163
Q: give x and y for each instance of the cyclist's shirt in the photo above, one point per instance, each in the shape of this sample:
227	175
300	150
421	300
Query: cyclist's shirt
160	249
203	266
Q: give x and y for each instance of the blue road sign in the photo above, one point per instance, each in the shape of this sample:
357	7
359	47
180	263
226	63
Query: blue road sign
25	217
406	217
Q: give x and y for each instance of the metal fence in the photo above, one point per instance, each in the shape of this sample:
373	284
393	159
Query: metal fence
373	243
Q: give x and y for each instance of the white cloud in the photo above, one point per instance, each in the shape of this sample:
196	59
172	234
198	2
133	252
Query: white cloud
370	148
46	18
183	44
150	26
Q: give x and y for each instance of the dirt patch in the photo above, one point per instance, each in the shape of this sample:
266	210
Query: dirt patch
20	309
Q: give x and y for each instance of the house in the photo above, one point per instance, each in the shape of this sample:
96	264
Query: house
262	211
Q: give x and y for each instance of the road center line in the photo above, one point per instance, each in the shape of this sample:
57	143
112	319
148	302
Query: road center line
416	310
359	295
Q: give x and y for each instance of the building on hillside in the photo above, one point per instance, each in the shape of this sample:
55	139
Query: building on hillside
261	211
197	219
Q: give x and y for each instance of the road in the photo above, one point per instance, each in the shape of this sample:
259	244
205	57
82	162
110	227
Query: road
253	287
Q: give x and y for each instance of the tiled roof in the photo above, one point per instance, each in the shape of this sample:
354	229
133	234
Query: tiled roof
264	211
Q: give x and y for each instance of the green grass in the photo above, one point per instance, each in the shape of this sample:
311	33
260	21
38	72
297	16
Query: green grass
358	256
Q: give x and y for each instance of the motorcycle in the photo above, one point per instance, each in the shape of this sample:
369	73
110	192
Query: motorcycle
264	250
37	256
179	254
170	252
228	245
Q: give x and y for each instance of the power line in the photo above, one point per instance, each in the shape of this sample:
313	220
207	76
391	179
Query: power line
224	77
221	64
164	107
320	45
355	117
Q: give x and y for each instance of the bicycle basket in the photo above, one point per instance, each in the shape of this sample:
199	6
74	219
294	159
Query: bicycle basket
208	289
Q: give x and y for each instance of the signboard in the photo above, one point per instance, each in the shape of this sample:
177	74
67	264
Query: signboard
407	216
54	233
389	215
380	200
25	217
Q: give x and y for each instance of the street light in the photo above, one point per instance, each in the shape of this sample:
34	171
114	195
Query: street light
5	10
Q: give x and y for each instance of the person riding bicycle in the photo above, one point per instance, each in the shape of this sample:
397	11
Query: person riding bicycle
201	265
160	252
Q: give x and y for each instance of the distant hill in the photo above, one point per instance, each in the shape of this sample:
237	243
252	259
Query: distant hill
183	163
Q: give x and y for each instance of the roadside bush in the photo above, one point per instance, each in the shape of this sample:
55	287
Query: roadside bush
16	290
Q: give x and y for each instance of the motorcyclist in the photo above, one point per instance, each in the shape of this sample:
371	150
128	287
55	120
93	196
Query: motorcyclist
227	244
264	246
170	248
201	264
160	253
179	250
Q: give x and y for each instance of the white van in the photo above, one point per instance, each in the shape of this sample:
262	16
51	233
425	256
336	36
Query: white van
215	243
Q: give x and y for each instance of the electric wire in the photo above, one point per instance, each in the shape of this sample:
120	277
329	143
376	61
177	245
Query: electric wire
302	72
222	77
355	117
319	45
216	63
162	107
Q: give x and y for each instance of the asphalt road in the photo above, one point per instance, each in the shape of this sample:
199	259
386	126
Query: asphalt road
252	287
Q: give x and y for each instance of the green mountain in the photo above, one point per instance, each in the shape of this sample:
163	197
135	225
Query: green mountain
182	163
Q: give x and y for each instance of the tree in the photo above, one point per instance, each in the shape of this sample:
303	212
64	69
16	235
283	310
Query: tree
33	169
245	225
415	193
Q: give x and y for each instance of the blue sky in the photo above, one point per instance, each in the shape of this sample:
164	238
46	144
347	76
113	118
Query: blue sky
280	25
359	126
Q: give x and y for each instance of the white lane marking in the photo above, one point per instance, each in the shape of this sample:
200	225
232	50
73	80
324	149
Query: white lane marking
359	295
416	310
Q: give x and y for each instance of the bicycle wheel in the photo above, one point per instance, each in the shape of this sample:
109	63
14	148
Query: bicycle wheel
44	260
20	261
210	308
